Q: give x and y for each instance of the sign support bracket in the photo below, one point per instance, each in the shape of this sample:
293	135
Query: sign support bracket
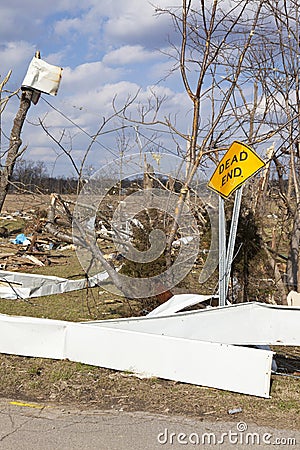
222	253
232	236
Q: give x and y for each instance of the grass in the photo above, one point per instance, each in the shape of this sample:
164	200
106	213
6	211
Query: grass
42	380
75	306
286	405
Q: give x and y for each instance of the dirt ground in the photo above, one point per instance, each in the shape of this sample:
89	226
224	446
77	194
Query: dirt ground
42	380
65	382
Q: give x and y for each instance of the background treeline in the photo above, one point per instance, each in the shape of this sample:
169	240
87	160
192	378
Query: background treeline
33	176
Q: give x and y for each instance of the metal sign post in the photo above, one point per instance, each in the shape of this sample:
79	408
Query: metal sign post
222	253
232	236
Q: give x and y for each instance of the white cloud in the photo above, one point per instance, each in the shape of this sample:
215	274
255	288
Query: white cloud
116	23
57	58
14	55
129	54
65	27
87	108
41	153
87	77
25	20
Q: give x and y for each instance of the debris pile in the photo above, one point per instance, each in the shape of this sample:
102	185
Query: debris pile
25	243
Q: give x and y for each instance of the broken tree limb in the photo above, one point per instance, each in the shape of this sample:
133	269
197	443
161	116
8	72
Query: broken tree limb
15	143
293	262
82	241
52	228
278	278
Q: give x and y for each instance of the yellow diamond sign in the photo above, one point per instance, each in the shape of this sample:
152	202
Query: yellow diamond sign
238	164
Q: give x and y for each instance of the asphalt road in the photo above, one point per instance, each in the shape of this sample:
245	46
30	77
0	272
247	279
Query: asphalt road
32	426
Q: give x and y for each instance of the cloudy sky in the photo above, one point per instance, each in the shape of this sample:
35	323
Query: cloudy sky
106	49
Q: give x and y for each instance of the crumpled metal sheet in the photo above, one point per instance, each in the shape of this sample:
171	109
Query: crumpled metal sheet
240	324
42	77
178	303
15	285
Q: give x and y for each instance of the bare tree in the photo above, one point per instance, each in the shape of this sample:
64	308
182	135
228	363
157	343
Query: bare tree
226	50
67	148
276	66
214	42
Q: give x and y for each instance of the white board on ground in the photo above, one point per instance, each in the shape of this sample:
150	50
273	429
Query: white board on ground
31	336
222	366
240	324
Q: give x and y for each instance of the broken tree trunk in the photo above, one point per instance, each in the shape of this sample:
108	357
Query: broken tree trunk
15	143
277	276
80	241
293	262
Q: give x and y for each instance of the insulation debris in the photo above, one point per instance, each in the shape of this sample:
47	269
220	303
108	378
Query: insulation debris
15	285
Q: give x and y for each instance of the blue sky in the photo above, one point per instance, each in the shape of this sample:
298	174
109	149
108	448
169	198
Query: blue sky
106	48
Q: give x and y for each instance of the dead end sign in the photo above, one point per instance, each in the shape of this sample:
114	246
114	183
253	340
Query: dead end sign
238	164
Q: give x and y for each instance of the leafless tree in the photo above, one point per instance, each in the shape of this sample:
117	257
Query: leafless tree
214	42
276	67
226	50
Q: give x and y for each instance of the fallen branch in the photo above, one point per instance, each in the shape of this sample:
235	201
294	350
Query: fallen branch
82	241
